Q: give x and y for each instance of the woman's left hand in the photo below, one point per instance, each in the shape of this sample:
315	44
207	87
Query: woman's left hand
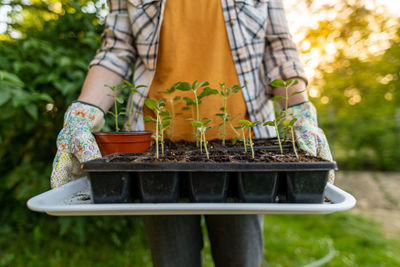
309	137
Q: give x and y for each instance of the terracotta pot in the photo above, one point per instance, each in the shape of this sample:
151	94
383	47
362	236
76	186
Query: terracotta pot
123	142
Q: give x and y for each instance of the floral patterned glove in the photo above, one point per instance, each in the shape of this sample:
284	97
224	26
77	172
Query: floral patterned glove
75	142
309	137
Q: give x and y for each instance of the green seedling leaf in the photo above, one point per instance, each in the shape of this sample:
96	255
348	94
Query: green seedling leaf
165	113
222	109
276	98
151	103
291	123
185	108
196	124
236	88
176	98
205	123
149	119
277	83
120	99
291	82
205	83
183	86
189	101
269	123
296	93
207	91
194	84
166	123
286	122
235	140
245	122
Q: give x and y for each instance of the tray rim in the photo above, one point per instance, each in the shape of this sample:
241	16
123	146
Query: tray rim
100	165
342	201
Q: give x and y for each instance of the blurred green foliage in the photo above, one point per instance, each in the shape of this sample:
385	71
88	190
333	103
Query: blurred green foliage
357	82
40	75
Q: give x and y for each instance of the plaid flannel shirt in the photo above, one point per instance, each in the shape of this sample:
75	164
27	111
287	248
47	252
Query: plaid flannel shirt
259	38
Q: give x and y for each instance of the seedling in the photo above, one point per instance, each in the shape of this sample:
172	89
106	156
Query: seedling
249	125
190	105
133	90
275	123
283	116
195	88
290	124
241	137
116	89
171	100
225	93
202	127
162	121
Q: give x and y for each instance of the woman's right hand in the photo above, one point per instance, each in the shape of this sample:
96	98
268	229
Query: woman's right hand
75	142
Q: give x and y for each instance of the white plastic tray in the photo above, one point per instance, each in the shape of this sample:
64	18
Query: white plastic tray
73	199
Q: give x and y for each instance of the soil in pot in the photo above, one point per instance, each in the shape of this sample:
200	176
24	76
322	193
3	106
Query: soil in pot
123	142
306	187
110	187
216	144
257	187
157	187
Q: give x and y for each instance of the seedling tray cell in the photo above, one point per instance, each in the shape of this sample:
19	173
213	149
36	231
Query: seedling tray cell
257	187
73	199
306	187
158	187
111	187
204	187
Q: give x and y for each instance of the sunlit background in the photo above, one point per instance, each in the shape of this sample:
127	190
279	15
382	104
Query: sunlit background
351	52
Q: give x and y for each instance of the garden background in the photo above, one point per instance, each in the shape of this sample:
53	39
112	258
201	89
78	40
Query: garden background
352	53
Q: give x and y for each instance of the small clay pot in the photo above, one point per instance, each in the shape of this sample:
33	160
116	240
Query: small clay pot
123	142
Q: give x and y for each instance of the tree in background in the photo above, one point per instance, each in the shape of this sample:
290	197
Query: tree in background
354	55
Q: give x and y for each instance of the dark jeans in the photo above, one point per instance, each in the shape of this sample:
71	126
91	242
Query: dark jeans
176	241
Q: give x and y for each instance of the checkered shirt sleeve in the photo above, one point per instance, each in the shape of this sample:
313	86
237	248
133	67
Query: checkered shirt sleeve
117	51
281	56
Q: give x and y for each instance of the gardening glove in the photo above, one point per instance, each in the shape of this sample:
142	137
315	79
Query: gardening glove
75	142
309	137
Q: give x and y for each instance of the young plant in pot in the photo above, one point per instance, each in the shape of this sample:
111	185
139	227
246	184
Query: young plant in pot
115	187
123	141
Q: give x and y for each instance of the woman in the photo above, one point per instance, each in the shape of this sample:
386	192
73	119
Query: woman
244	42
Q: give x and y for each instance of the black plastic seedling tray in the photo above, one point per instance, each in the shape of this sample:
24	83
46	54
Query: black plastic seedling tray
115	180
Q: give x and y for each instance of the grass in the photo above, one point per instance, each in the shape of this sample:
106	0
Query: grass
290	240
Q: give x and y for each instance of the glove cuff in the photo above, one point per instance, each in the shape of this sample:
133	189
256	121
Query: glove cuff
85	114
89	104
